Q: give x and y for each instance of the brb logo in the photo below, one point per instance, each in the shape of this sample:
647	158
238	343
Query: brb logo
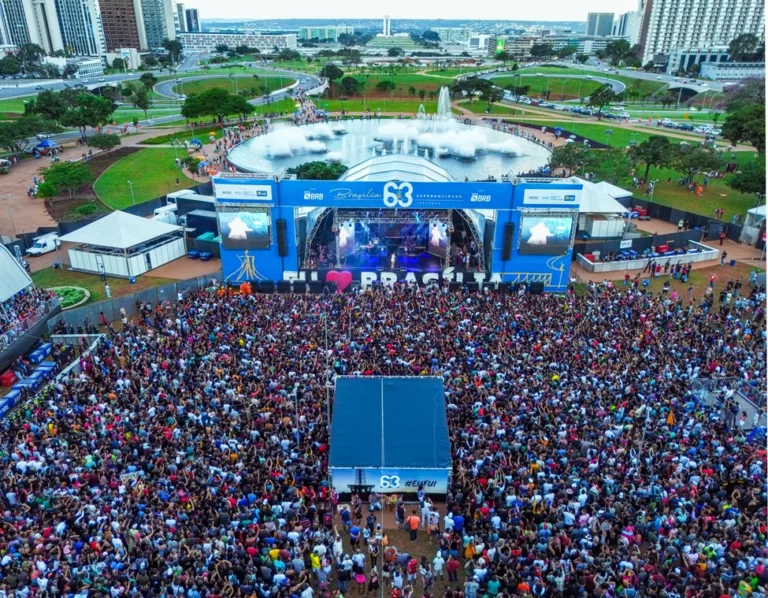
389	481
478	197
311	195
398	195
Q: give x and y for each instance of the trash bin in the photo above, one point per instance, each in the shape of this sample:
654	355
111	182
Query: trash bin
132	280
733	262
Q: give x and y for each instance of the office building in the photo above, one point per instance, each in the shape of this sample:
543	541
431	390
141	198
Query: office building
483	44
452	35
680	60
599	23
207	42
80	28
15	16
129	56
123	23
180	18
328	33
192	19
86	68
626	26
387	27
731	71
670	24
158	22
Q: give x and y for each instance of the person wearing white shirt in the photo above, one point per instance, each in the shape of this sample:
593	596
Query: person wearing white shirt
437	565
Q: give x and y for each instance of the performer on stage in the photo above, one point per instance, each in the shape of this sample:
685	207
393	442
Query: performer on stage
392	260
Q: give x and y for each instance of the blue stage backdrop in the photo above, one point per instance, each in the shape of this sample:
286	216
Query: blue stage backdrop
542	211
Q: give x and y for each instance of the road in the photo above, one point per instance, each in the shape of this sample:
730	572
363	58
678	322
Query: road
617	86
697	85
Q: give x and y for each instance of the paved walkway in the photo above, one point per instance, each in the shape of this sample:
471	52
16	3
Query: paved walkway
20	213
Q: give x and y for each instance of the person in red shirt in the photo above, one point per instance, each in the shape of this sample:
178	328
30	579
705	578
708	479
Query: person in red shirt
412	568
453	567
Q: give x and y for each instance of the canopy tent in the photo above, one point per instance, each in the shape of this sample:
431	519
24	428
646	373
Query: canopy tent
120	230
121	244
14	278
755	216
598	198
612	190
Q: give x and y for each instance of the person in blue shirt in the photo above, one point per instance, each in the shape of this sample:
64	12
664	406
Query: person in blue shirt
354	535
458	523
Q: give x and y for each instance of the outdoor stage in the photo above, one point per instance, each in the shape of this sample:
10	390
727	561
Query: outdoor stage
389	435
519	231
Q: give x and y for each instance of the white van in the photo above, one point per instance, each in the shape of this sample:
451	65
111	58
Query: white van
165	214
44	244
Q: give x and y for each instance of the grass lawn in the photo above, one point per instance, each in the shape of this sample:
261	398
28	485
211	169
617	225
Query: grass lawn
12	107
48	277
643	87
717	194
482	108
682	116
619	138
286	106
127	115
200	133
152	171
455	72
561	88
256	87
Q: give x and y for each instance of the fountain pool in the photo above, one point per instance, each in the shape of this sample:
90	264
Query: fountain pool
470	151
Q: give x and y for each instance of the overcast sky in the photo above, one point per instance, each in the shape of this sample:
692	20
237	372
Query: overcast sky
560	10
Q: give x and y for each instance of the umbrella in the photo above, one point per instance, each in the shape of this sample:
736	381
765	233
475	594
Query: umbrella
213	133
197	141
46	143
558	128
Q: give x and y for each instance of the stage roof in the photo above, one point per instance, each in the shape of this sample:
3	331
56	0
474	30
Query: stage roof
120	230
397	167
14	278
389	423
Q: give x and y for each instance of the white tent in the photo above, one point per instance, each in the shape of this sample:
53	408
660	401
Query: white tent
600	215
120	230
612	190
124	245
755	216
14	278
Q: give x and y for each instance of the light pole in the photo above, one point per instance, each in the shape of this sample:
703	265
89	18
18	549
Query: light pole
562	91
133	197
679	97
653	189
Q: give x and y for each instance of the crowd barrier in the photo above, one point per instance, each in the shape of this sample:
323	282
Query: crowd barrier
698	253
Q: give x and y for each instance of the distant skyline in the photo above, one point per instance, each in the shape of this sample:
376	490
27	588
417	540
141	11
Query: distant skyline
556	10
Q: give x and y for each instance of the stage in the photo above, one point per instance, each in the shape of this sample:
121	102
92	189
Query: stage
424	262
404	444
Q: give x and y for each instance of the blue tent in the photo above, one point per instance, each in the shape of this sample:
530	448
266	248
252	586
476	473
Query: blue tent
47	143
196	142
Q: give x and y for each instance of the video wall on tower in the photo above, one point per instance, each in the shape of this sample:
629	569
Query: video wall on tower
244	226
545	235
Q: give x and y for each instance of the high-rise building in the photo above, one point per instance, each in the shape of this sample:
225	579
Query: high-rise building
387	27
16	16
673	24
192	19
456	35
80	31
123	23
624	25
158	22
180	18
599	23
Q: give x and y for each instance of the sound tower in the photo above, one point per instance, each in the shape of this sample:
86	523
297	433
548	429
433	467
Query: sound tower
506	248
282	247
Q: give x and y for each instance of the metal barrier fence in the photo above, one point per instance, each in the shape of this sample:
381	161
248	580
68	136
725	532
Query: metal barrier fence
750	399
18	329
111	307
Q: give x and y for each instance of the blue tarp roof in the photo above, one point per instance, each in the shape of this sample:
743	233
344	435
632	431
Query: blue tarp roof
389	422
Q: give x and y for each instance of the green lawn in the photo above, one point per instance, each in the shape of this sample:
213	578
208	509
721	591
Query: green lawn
255	86
12	107
561	88
644	87
384	104
455	72
126	115
152	171
481	107
201	133
48	277
716	195
619	137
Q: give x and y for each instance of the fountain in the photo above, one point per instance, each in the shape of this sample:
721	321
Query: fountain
464	150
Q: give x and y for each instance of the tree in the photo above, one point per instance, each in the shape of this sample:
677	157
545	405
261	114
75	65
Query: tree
215	102
386	86
582	58
149	61
542	50
320	171
505	57
65	177
89	111
422	94
656	151
395	51
350	85
49	105
567	51
17	135
616	50
141	99
746	92
744	48
10	65
601	97
750	178
611	164
667	100
30	53
222	48
746	124
174	49
431	36
192	164
69	71
118	64
694	159
331	72
104	141
572	156
492	95
412	91
148	80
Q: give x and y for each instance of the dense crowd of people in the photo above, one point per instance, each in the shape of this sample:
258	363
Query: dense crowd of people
21	310
188	458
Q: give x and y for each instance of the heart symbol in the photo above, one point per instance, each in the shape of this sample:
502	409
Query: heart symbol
342	279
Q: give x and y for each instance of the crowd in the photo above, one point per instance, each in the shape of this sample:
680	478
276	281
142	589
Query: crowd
20	311
188	458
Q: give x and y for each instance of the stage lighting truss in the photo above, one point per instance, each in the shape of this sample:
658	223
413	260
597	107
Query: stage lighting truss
311	236
475	235
392	216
